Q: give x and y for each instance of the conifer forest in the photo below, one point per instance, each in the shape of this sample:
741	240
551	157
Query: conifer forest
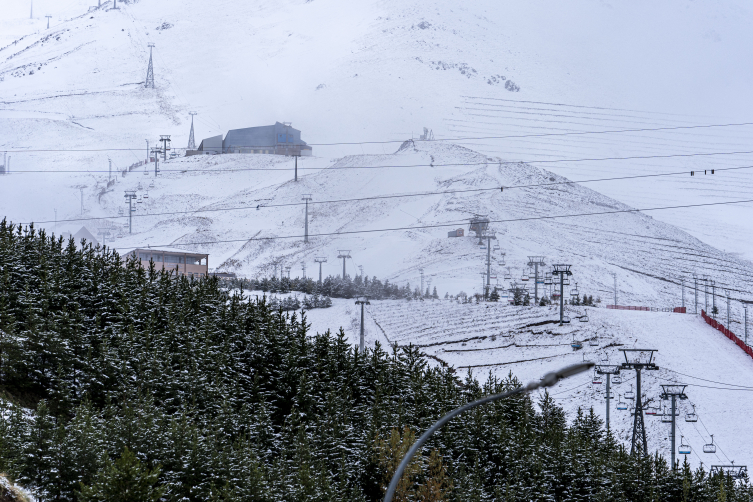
123	382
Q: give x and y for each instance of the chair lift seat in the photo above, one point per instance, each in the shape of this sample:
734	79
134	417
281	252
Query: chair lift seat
710	447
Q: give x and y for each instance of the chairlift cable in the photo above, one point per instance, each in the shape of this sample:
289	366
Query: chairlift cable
421	227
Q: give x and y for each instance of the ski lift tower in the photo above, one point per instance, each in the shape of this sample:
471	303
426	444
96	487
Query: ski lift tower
344	254
479	224
155	151
563	271
320	260
489	237
673	391
130	195
638	360
165	139
608	370
535	261
362	302
734	471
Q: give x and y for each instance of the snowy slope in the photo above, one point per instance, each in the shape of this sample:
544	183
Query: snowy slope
498	339
381	70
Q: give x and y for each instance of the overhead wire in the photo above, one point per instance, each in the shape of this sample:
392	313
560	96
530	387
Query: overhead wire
459	139
455	164
441	225
394	196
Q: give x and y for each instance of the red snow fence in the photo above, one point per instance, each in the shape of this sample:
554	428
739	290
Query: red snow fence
677	310
719	326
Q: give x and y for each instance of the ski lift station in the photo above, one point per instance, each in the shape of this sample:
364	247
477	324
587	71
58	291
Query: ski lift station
188	264
277	139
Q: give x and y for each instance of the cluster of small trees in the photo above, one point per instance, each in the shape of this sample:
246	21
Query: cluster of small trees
137	382
334	287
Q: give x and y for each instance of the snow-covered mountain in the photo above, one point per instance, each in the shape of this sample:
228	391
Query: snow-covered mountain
382	70
557	90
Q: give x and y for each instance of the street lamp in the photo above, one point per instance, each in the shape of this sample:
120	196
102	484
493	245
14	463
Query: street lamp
547	381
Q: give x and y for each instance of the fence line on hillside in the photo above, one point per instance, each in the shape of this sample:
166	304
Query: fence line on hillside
729	334
677	310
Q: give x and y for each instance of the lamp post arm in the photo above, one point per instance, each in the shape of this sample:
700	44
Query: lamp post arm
547	381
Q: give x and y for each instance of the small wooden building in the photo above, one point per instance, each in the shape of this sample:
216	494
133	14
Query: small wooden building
186	263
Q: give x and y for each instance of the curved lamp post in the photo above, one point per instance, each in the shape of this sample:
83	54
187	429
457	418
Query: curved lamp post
547	381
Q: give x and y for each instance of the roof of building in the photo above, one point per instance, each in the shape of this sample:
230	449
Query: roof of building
167	250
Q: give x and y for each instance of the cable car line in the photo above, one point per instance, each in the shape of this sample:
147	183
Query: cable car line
712	381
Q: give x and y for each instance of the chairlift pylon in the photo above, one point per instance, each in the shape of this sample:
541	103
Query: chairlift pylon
710	447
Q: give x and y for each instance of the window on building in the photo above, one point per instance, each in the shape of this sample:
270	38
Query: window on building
173	259
144	256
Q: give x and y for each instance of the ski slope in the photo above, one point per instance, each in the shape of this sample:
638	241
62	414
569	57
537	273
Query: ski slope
497	339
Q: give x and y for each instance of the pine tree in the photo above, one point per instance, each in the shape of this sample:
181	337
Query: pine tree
125	480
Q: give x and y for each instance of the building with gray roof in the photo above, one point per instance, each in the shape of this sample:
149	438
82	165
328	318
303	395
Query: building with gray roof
277	139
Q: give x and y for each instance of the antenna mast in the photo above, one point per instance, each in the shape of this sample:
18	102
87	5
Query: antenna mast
150	71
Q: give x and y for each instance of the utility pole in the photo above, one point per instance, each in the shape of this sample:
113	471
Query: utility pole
363	302
421	271
360	271
320	260
307	198
296	167
713	298
695	293
535	261
191	141
639	359
48	21
149	82
303	266
109	173
706	293
130	195
745	322
683	292
81	190
147	152
563	271
608	370
165	139
673	391
287	270
726	293
344	254
614	275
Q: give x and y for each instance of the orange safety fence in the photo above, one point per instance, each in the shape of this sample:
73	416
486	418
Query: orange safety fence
729	334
